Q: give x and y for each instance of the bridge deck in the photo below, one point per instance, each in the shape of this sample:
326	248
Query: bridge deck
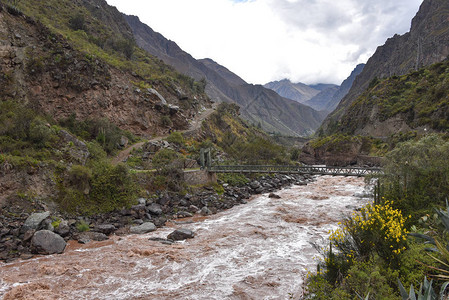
312	170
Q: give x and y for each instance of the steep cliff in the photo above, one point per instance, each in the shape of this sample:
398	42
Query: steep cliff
425	44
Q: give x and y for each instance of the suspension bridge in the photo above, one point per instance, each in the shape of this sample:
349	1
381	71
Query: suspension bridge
205	160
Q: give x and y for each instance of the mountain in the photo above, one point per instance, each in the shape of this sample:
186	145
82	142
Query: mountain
426	43
329	99
299	92
321	97
321	100
258	104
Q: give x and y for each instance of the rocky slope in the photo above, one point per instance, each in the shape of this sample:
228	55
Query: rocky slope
48	73
259	105
417	101
425	44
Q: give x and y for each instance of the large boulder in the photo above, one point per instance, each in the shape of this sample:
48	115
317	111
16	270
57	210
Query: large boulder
47	242
34	220
144	228
181	234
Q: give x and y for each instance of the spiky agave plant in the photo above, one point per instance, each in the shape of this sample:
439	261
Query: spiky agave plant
426	291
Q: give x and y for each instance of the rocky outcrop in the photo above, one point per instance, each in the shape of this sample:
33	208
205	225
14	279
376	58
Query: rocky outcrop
34	221
425	44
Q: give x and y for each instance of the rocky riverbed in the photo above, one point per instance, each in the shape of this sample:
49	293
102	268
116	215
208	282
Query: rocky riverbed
31	228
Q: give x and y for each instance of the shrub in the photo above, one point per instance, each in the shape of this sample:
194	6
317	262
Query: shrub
165	158
233	179
375	229
40	133
82	226
417	174
176	138
79	177
166	121
78	22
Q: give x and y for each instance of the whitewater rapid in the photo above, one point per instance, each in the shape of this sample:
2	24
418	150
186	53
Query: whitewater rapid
259	250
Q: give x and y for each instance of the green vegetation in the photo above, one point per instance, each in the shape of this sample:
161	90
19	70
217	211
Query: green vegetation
417	174
233	179
102	130
104	36
30	142
372	249
421	98
82	226
243	143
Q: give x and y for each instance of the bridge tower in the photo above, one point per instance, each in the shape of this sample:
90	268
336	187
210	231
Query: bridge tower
205	158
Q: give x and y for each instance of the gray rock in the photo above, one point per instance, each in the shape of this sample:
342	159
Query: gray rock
86	237
160	221
106	228
144	228
138	221
63	229
181	234
205	211
75	148
28	235
155	209
142	201
184	214
123	141
254	185
33	221
138	211
193	208
274	196
154	92
47	242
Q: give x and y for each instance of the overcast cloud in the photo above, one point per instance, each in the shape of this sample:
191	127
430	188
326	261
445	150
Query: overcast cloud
308	41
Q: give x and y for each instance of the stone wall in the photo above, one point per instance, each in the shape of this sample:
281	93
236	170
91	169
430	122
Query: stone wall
195	177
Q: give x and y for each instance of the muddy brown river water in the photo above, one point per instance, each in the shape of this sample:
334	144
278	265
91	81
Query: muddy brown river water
260	250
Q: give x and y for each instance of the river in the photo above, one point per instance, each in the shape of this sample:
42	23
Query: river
259	250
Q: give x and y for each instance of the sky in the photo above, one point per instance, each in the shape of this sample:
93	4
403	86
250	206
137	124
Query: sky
309	41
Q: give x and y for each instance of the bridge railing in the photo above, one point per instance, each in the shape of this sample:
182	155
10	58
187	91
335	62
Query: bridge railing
291	169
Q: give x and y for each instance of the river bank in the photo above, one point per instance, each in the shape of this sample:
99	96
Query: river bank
152	212
261	250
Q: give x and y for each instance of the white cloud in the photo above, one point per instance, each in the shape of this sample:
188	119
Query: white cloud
263	40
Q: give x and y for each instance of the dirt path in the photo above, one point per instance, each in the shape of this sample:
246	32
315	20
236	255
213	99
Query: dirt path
195	125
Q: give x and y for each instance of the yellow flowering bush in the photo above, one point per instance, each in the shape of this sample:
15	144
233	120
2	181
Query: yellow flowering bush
374	229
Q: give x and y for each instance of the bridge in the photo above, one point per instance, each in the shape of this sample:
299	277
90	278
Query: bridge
206	163
289	169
